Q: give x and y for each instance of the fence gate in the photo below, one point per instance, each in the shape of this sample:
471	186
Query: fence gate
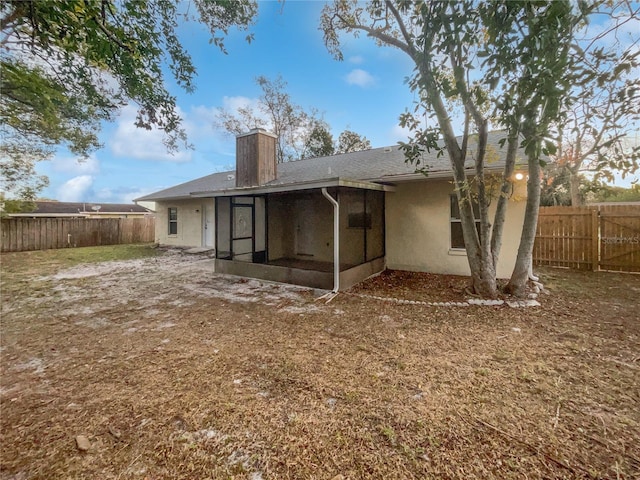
589	238
620	238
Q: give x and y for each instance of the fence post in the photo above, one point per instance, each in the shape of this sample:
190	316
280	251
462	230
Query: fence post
595	239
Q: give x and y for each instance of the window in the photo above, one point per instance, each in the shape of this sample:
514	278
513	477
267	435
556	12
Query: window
457	239
173	221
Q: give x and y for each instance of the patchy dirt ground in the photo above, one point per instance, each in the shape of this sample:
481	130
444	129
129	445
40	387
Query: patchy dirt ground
171	371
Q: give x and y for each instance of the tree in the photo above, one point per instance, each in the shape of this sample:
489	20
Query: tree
300	133
15	206
598	191
320	142
350	141
67	66
606	106
276	113
599	123
555	186
503	62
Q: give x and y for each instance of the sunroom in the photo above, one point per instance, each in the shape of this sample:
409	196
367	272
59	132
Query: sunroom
328	235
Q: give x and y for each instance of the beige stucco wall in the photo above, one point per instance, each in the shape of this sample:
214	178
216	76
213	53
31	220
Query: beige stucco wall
189	222
418	231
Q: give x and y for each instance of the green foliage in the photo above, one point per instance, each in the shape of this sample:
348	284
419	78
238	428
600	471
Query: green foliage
556	189
596	191
603	116
320	142
69	65
350	141
16	206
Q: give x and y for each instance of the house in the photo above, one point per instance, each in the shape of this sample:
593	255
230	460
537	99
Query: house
53	209
329	222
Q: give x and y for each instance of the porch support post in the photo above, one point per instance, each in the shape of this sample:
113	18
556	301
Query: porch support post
336	240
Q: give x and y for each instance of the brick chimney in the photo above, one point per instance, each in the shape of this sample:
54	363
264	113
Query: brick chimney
255	158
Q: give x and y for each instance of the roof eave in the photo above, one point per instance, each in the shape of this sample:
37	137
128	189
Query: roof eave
161	199
292	187
413	176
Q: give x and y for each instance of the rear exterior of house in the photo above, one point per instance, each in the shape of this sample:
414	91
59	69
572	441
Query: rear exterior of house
326	222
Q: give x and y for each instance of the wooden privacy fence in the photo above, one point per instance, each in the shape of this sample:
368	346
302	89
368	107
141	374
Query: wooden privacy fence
605	237
21	234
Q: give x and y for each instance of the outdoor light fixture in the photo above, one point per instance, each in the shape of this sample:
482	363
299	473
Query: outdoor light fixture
519	176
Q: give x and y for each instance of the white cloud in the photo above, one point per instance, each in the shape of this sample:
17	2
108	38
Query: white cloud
360	78
77	189
234	103
140	144
75	165
200	125
122	194
129	195
356	59
399	133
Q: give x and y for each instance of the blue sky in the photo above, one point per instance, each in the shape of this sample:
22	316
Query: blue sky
366	93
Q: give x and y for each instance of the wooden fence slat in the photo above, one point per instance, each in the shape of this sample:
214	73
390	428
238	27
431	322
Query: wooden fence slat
594	237
21	234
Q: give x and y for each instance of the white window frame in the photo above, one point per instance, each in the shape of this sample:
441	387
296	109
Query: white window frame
172	222
453	199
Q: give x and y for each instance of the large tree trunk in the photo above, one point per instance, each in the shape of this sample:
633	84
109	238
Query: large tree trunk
481	265
518	282
503	199
483	274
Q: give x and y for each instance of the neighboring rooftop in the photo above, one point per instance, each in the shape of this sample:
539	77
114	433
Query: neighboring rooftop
79	208
380	165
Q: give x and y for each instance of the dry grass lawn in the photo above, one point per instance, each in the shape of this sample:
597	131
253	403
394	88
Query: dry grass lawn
171	371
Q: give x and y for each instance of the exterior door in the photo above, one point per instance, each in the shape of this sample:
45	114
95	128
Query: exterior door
208	225
304	227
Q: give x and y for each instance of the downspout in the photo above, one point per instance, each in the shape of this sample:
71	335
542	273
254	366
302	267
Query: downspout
336	240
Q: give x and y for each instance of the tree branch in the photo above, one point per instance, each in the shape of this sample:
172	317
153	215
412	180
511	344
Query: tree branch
375	33
110	35
401	25
8	19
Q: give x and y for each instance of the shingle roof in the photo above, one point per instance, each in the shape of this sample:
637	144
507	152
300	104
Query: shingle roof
80	207
386	164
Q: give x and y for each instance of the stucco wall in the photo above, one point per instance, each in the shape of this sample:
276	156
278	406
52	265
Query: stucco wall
418	231
189	222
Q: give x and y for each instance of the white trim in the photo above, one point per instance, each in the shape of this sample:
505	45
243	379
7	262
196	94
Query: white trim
336	239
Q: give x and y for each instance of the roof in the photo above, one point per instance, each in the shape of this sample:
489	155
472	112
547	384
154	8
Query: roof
47	207
379	165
